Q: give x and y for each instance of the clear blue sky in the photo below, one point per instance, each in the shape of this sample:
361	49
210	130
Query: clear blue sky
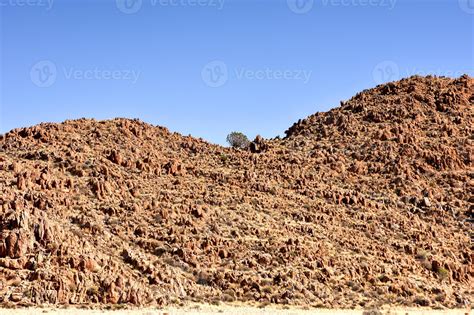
208	67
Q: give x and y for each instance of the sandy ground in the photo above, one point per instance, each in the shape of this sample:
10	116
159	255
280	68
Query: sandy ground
233	310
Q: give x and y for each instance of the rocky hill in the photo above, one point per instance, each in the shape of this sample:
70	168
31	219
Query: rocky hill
368	204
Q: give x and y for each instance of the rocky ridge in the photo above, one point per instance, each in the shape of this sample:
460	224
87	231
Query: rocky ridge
368	204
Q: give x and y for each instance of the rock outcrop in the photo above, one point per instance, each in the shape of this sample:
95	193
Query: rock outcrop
367	204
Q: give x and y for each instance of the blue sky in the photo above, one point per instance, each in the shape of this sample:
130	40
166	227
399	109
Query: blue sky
209	67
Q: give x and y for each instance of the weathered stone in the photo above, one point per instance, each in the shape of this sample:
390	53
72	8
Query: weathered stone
120	211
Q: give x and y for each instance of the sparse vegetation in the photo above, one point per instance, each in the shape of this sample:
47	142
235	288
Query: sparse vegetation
238	140
421	254
224	158
442	273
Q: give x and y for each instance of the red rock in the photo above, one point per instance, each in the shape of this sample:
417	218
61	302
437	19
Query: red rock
116	158
89	209
89	264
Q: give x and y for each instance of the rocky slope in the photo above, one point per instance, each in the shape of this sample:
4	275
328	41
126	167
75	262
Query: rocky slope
368	204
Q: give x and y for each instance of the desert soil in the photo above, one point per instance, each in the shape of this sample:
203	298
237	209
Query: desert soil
233	310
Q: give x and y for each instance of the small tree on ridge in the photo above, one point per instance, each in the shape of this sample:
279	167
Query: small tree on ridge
238	140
